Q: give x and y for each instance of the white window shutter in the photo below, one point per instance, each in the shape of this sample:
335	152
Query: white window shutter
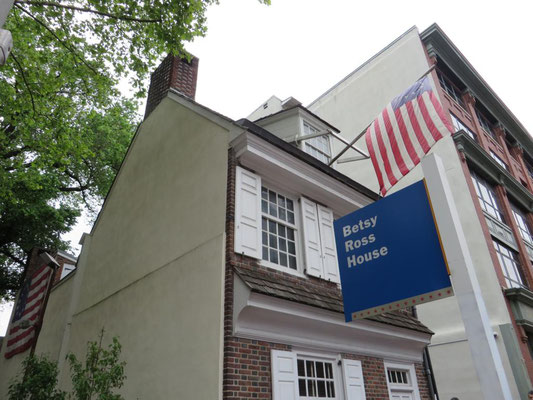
284	375
248	213
328	247
354	385
311	235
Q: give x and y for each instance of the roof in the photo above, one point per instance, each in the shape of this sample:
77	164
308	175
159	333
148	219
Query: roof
457	62
261	281
303	109
307	158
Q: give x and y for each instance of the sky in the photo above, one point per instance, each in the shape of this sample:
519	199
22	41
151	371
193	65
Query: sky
301	48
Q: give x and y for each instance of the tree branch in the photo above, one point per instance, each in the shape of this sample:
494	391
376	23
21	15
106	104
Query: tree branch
25	82
14	152
74	189
56	37
88	10
13	257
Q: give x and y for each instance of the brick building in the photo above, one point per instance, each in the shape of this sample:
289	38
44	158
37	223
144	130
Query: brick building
213	259
489	162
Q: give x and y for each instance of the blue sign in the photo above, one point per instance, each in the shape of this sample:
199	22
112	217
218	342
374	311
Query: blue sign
390	255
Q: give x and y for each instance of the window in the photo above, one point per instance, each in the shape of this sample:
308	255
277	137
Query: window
278	229
297	375
510	265
318	146
315	379
401	381
398	376
268	227
485	124
487	197
458	125
67	269
450	88
522	223
529	168
499	160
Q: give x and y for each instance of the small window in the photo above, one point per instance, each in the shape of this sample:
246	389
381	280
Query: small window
499	160
66	270
450	88
458	125
315	379
319	146
487	197
510	265
523	225
485	124
398	376
401	381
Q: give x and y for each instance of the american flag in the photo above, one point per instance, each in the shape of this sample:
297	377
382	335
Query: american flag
27	311
404	132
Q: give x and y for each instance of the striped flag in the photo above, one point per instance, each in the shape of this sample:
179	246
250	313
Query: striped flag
27	311
404	132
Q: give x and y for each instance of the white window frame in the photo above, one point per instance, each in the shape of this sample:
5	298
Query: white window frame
337	382
412	387
248	228
347	375
304	122
297	233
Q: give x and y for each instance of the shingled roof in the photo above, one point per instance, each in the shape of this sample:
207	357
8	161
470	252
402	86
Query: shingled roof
260	281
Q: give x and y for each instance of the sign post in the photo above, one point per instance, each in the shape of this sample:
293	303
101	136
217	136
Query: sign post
485	355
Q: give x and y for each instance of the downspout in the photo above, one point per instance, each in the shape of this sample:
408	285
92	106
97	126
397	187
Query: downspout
428	368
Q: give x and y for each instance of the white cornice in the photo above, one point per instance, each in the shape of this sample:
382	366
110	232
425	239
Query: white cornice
261	317
302	178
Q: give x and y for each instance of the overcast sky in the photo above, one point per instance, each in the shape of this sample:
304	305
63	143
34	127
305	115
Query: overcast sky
301	48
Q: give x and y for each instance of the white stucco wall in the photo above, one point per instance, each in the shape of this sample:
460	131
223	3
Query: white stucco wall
55	319
351	106
153	274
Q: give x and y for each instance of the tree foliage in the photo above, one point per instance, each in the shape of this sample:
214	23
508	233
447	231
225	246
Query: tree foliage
36	381
101	373
64	126
95	379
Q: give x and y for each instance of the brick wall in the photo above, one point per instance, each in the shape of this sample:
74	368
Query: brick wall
247	369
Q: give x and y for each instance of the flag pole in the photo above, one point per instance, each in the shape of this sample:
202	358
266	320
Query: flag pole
349	145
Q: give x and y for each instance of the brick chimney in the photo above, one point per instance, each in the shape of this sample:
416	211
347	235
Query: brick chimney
174	72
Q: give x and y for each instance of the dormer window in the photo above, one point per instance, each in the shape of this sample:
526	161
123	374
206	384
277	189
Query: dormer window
318	146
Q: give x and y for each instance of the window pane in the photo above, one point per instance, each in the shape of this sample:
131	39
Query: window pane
273	256
301	387
311	388
310	368
290	234
329	371
290	217
292	262
290	205
331	389
320	370
301	368
321	388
